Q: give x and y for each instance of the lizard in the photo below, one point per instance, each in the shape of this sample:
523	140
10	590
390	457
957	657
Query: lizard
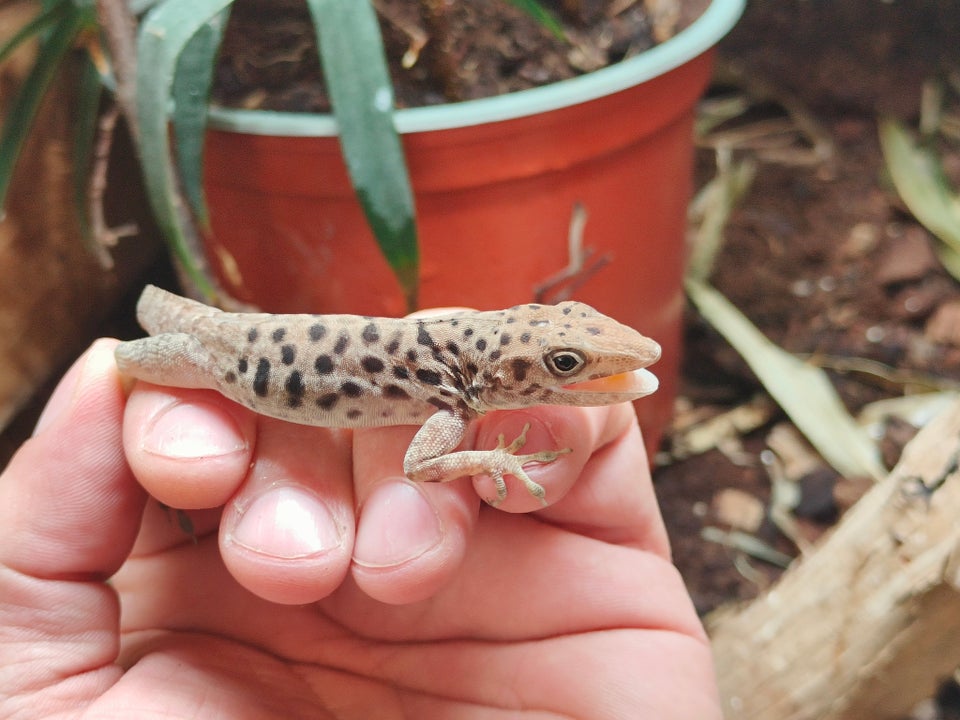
440	372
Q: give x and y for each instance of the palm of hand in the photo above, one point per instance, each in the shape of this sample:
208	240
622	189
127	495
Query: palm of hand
540	614
510	633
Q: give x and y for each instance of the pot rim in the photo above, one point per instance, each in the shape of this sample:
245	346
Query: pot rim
715	22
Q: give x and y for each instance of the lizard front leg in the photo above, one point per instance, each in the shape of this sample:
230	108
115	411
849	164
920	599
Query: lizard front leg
431	456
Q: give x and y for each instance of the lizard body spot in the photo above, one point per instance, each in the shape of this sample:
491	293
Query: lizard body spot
296	389
440	404
453	348
511	319
230	377
525	338
468	332
505	339
533	306
481	344
342	342
400	372
412	355
594	330
472	368
370	334
495	355
288	354
351	389
317	331
539	323
423	337
353	414
372	364
326	402
520	367
262	379
252	335
323	364
395	392
567	310
242	366
393	346
279	334
430	377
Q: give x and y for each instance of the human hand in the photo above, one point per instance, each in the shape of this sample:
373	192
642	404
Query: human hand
397	600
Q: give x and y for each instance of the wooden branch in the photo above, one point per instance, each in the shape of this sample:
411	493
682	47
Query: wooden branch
120	29
869	623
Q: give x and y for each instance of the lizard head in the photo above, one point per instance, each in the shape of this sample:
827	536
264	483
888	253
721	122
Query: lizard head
568	354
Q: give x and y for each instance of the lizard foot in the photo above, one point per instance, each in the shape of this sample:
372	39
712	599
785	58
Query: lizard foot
509	463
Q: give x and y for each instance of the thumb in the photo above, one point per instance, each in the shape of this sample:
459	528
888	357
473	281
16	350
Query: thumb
69	513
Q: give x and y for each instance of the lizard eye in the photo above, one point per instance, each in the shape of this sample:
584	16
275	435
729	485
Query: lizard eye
564	362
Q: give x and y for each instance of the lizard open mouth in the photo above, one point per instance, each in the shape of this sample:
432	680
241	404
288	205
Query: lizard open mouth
636	382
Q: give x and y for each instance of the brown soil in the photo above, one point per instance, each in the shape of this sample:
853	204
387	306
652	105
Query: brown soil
460	51
822	257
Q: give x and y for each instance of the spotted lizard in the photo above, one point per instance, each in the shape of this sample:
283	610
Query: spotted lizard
440	372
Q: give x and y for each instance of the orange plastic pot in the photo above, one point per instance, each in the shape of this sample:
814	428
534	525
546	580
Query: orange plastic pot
496	182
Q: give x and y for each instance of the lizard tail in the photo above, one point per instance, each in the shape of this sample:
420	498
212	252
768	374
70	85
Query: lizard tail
159	311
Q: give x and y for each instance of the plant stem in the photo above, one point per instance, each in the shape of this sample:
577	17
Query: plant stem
120	28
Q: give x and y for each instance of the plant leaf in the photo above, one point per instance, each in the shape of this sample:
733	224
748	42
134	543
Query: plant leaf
803	391
89	90
34	27
23	109
543	16
192	81
164	33
361	93
711	208
921	183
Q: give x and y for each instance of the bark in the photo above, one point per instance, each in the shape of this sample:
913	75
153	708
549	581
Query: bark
868	624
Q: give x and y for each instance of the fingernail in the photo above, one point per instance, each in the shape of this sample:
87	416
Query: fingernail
286	521
193	430
399	524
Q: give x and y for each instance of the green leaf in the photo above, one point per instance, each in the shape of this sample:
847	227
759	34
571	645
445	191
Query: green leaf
34	27
361	92
192	81
164	33
89	90
24	106
802	390
543	16
918	176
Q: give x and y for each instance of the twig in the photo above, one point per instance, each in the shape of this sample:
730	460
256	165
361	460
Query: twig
120	29
104	237
562	285
415	34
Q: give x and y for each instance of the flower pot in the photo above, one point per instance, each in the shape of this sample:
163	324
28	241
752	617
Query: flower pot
496	182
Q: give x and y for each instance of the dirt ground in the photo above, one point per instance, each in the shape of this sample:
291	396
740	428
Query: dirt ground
821	256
